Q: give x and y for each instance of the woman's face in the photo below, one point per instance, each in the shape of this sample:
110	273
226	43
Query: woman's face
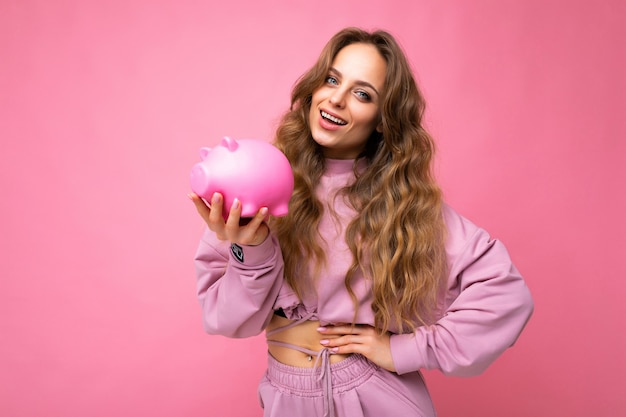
345	110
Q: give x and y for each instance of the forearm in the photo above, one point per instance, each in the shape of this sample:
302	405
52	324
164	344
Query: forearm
237	288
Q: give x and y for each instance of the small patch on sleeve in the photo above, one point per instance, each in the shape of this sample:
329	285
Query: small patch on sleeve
237	252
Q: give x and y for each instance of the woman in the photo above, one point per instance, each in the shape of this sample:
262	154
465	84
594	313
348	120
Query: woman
371	277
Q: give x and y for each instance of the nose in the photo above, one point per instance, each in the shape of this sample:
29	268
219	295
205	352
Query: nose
337	99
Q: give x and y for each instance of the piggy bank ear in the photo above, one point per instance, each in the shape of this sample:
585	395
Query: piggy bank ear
204	152
230	144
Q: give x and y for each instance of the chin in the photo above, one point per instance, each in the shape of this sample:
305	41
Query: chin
323	143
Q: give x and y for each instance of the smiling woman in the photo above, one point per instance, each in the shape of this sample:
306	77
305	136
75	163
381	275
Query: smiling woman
370	272
346	108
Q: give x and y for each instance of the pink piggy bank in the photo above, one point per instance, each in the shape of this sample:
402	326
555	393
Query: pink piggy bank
253	171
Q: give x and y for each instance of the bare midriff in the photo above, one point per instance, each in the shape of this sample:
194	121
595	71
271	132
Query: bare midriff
304	335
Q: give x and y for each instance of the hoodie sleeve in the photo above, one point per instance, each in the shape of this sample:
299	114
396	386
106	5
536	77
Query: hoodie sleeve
237	285
486	306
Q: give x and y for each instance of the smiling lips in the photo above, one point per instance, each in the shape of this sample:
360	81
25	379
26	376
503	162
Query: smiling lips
333	119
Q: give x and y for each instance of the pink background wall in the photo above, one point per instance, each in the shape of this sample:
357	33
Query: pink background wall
104	104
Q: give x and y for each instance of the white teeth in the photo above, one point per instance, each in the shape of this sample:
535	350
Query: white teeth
333	118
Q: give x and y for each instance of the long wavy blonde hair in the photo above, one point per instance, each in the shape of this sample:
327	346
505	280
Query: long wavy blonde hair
397	237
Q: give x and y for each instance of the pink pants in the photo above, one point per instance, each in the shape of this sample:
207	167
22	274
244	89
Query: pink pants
356	387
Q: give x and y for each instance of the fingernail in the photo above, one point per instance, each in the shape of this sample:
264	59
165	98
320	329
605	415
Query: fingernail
189	196
321	329
235	203
215	198
334	350
324	342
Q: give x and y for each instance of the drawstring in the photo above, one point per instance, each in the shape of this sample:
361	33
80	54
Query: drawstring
325	374
322	355
327	384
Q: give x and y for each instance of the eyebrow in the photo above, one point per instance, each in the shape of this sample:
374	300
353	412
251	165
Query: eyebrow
358	82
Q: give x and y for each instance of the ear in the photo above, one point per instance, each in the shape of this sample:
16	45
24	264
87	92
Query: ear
379	128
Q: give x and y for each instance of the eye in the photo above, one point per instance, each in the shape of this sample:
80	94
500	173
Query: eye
331	80
363	95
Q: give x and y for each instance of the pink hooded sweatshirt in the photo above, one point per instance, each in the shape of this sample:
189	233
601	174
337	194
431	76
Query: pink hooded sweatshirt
484	308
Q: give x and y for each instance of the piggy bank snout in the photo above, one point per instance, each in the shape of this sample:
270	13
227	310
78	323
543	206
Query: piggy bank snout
199	179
